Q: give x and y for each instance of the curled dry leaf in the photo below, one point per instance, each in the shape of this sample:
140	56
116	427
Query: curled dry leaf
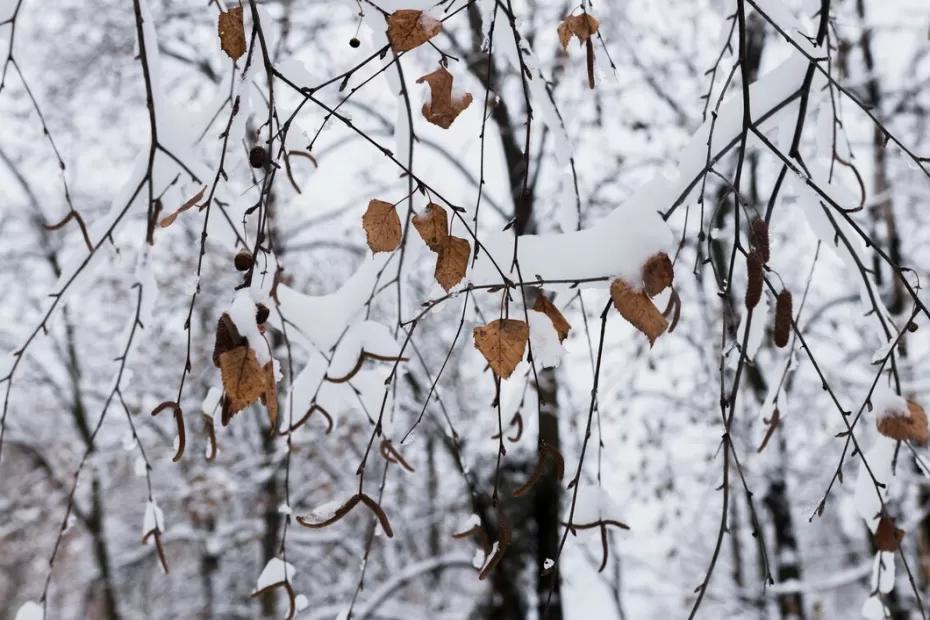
887	537
910	427
227	338
443	106
502	343
636	307
452	261
409	28
382	226
245	381
168	220
232	32
582	26
433	226
562	326
783	313
658	274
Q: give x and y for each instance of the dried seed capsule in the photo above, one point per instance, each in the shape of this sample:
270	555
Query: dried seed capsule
760	238
754	265
354	42
243	260
783	314
261	313
258	157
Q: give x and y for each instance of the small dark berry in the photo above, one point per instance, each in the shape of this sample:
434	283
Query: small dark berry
261	314
354	42
258	157
243	260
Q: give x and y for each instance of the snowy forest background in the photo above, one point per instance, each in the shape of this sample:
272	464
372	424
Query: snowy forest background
752	477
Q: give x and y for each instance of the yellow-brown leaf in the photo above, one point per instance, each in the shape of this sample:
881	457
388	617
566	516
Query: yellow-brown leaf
452	261
912	427
502	343
433	226
408	28
232	32
243	379
382	226
582	26
443	106
562	326
636	307
657	274
887	537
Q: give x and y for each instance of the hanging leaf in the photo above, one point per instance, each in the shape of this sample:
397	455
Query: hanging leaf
887	537
444	106
636	307
502	343
243	378
382	225
408	28
168	220
452	261
232	32
910	427
227	338
433	226
657	274
581	26
562	327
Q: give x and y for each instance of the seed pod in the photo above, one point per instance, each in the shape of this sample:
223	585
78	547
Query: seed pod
258	157
760	238
243	260
354	42
261	313
783	314
754	265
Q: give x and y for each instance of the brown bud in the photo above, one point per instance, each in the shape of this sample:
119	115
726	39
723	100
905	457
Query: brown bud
760	238
754	265
783	314
258	157
243	260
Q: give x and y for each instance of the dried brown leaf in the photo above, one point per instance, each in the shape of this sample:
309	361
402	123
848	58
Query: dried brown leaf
409	28
232	32
382	226
243	379
227	338
443	106
562	326
168	220
636	307
502	343
887	537
912	427
433	225
582	26
658	274
452	262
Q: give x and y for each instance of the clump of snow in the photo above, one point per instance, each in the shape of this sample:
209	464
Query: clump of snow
873	609
472	522
887	404
154	518
301	602
548	563
594	504
211	401
276	571
242	312
547	350
30	610
883	572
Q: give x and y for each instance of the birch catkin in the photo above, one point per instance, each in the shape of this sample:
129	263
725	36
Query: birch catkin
783	314
754	265
760	239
